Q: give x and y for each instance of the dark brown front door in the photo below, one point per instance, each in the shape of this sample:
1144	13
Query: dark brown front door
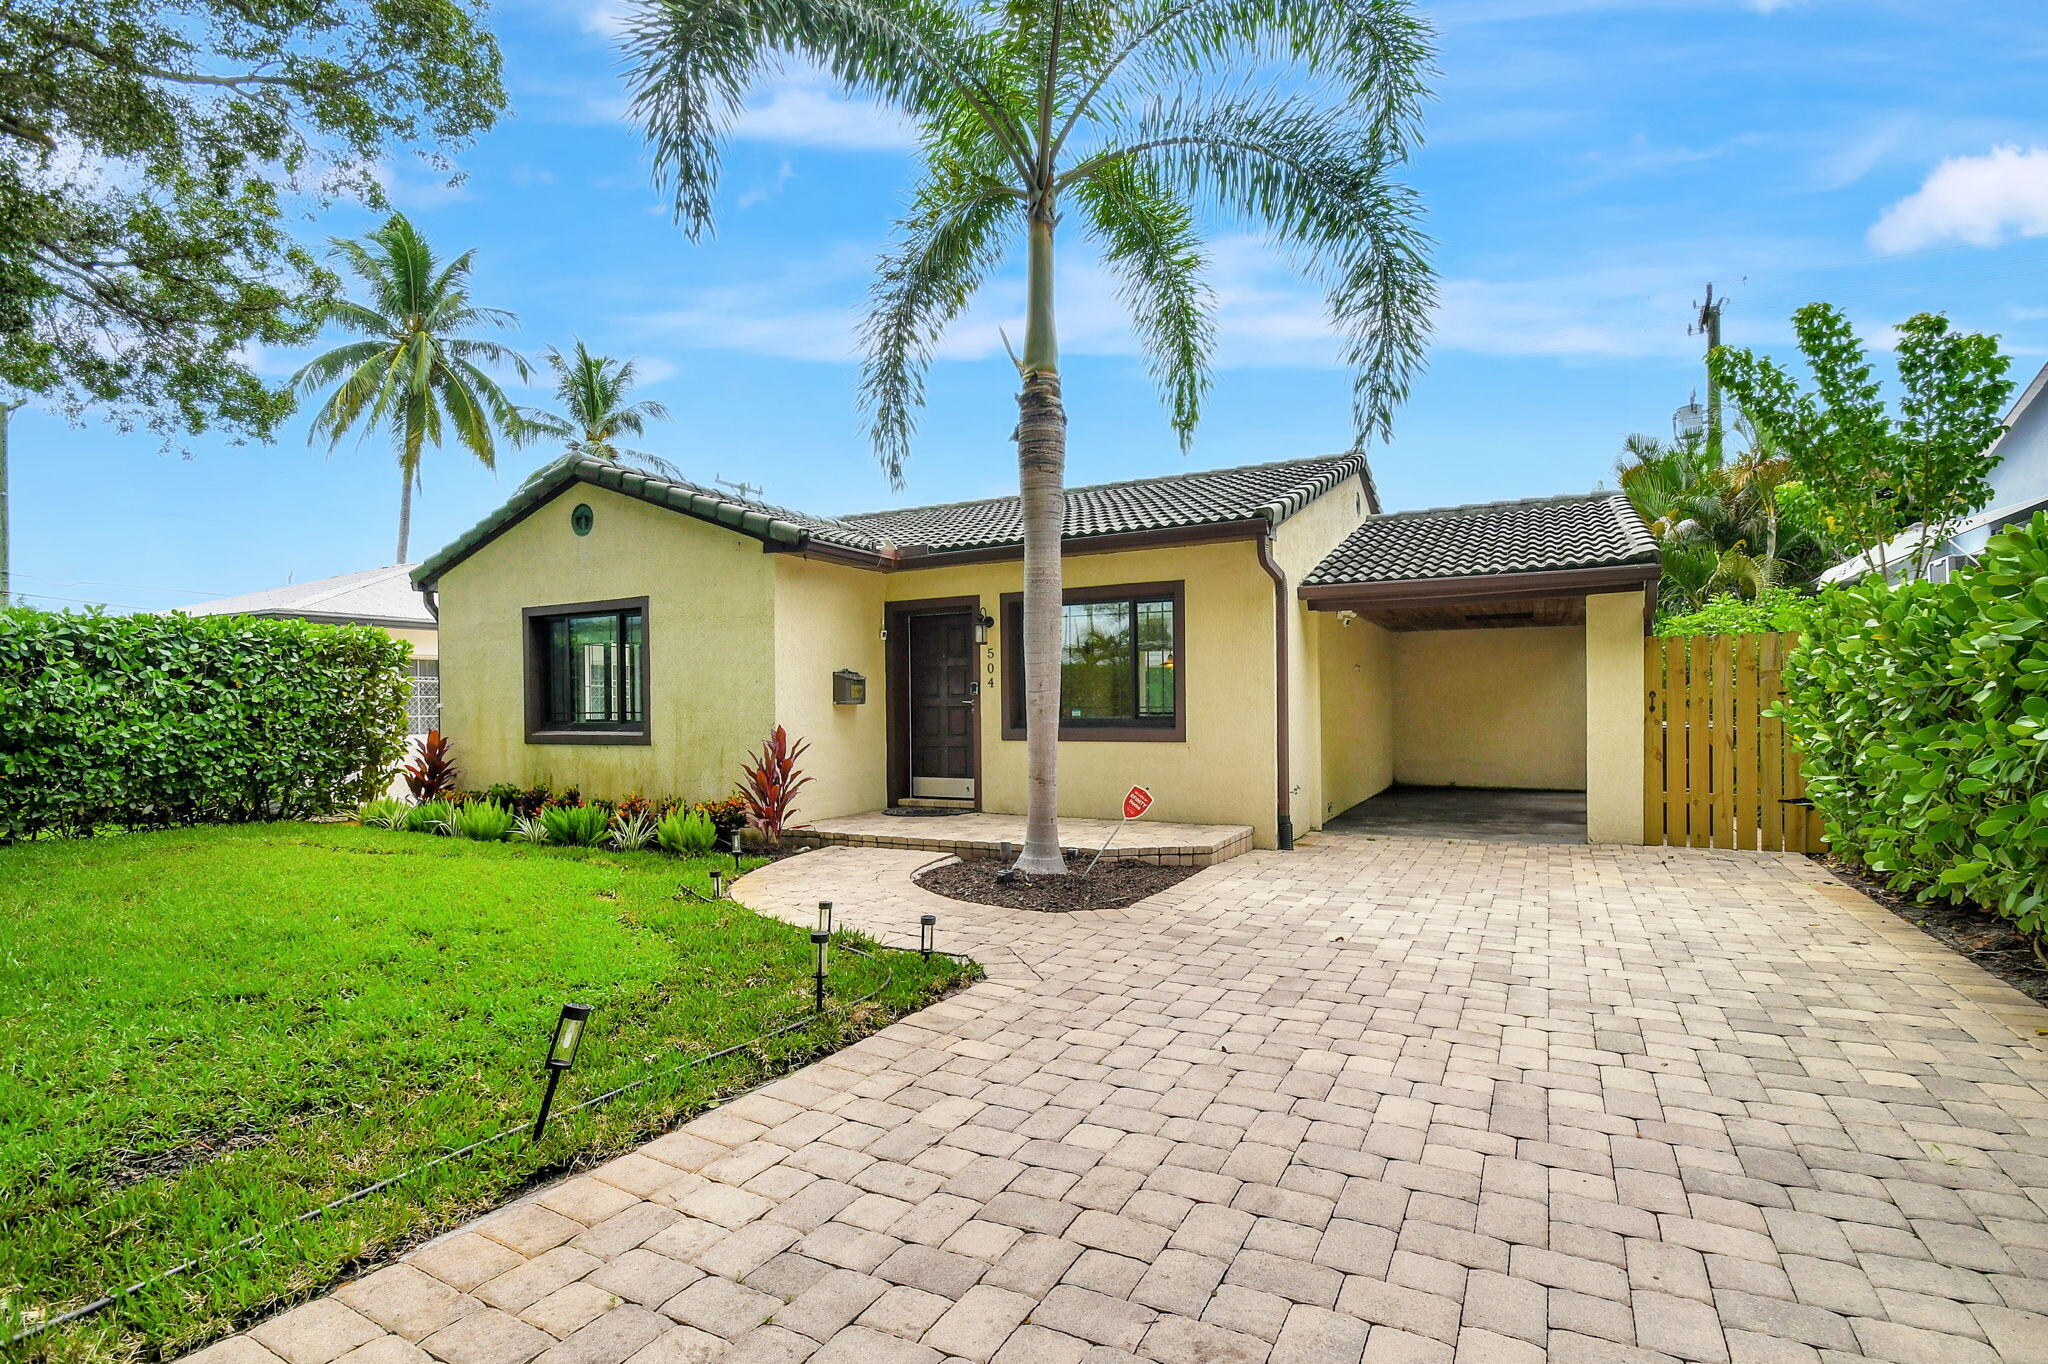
941	674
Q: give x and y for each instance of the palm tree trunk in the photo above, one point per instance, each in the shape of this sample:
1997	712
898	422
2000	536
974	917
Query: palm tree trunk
1041	470
404	512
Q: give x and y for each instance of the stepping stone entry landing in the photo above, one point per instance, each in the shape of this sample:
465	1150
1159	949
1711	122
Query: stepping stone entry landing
1380	1099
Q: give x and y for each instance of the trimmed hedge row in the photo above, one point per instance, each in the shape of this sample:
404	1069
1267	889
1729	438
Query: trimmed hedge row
1922	714
149	721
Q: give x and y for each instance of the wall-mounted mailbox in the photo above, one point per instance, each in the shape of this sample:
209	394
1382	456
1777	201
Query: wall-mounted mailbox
849	688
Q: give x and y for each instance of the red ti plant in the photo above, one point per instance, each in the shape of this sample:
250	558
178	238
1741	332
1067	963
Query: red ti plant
432	775
768	785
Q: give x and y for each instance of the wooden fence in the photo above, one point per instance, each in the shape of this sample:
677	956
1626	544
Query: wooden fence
1718	773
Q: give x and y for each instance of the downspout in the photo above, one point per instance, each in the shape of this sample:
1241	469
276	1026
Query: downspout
1283	787
431	595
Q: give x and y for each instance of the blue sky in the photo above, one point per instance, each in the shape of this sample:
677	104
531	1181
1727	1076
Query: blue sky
1590	165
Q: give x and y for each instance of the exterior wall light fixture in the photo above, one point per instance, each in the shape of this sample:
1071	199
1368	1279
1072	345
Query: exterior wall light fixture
983	623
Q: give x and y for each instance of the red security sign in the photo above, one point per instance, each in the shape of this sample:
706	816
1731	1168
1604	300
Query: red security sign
1137	802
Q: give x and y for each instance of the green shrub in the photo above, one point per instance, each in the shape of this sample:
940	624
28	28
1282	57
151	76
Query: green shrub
1770	611
382	813
486	821
689	833
632	832
1922	714
430	817
149	721
583	826
529	829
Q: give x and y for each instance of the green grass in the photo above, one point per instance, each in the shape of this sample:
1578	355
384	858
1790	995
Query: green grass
206	1032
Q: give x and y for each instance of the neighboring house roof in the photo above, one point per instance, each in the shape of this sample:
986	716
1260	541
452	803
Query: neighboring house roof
1269	492
1490	539
375	596
1899	550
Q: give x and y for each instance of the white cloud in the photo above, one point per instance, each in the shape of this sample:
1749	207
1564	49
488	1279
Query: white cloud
1974	199
761	194
1266	315
805	115
427	189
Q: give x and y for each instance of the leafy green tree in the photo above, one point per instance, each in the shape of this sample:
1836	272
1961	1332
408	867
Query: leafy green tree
1121	120
145	150
1871	474
414	374
591	393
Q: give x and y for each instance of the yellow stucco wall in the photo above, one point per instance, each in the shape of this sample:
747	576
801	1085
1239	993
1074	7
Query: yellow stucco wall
1357	684
1303	541
710	643
1491	707
1223	773
1614	717
425	643
828	617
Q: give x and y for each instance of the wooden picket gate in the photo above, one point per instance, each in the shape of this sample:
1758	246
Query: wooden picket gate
1718	772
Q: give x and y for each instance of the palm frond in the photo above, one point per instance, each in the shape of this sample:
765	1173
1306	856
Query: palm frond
943	250
1377	53
690	66
1296	169
1149	243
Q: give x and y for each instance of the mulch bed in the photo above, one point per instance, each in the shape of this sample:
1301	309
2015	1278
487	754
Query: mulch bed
1975	932
1112	885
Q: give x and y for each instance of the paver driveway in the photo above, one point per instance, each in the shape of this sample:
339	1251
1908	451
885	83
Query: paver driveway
1381	1099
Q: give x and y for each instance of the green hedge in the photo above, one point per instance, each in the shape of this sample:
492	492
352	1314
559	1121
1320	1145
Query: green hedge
1772	610
150	721
1922	713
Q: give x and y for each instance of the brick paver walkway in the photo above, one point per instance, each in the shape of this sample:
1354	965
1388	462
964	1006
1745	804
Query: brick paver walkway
1380	1099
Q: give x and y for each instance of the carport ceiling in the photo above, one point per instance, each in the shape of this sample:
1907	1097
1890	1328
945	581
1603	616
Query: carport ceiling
1489	615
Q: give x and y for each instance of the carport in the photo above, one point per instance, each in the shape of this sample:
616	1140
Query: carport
1480	671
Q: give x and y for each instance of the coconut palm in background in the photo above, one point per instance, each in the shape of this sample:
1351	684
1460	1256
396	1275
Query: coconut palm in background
590	391
1122	118
416	374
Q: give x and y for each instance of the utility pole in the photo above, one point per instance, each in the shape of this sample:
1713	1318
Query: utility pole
1708	324
6	579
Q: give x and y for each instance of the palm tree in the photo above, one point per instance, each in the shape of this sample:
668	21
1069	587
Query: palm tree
1724	524
591	390
415	375
1123	118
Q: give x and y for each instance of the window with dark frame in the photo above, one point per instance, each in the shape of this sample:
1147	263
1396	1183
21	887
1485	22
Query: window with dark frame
592	666
1118	664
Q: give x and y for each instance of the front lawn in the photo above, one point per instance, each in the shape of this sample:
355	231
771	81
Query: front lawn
206	1032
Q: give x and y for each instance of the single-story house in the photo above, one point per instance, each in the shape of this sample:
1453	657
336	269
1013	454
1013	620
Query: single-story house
1258	645
2019	488
380	597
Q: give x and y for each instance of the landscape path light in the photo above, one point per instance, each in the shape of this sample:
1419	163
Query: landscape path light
717	884
824	916
821	943
927	931
562	1049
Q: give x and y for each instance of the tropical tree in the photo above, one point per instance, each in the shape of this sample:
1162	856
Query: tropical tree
591	393
1737	524
1122	118
1872	474
415	375
150	153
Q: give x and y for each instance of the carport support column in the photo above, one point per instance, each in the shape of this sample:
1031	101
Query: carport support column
1614	717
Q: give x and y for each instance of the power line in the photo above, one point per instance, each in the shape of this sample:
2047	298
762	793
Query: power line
138	587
